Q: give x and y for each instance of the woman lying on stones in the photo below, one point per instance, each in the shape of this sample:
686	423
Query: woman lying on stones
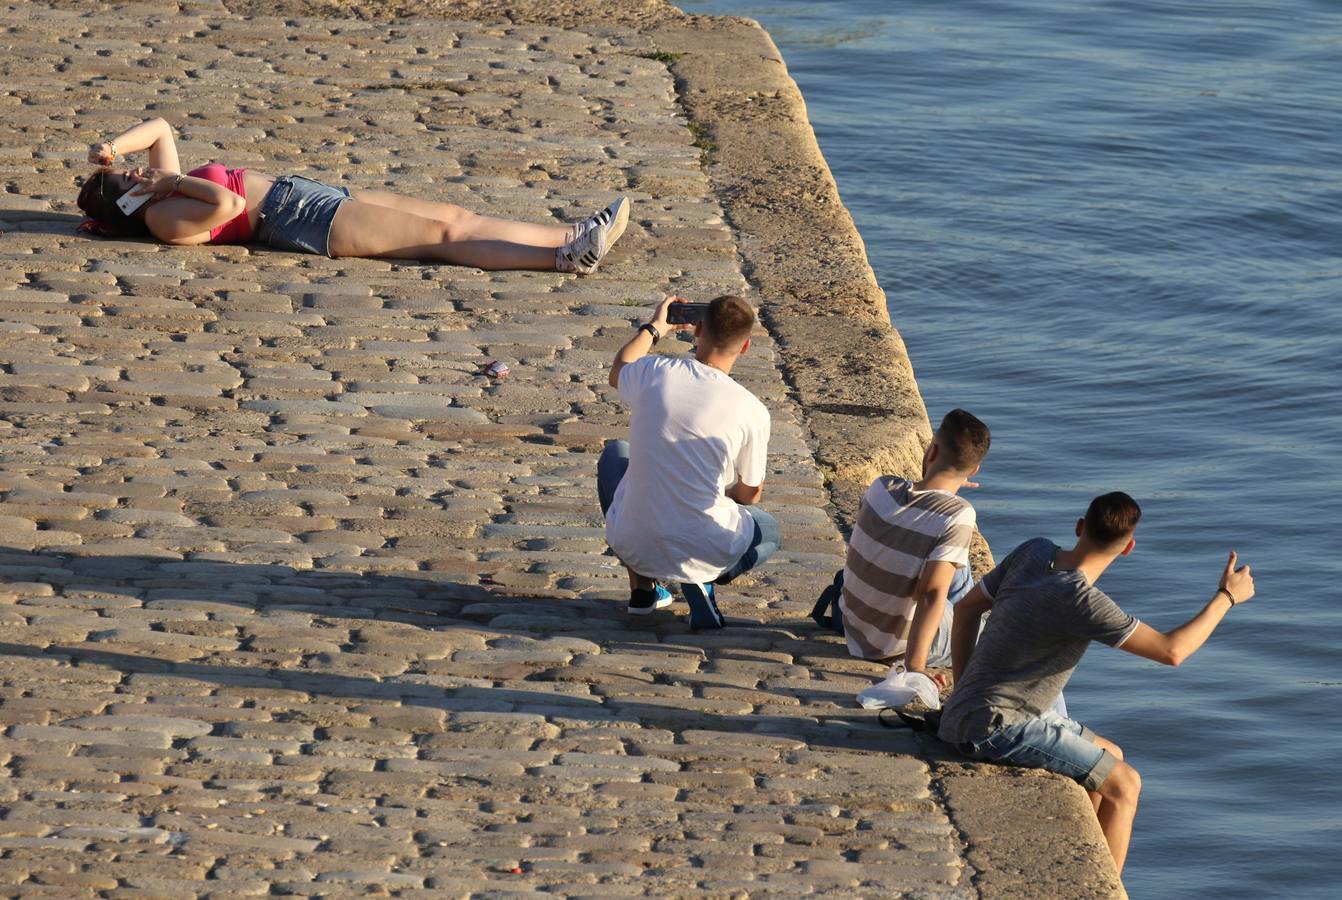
217	205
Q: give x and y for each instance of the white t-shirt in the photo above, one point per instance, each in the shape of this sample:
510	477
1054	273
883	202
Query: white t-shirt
693	433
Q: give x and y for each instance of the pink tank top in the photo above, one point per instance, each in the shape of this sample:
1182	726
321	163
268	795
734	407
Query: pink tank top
237	230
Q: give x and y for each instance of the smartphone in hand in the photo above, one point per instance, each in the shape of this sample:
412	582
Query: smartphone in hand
685	313
132	200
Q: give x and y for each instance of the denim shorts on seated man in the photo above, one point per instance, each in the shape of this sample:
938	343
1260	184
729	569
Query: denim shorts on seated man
1049	742
297	213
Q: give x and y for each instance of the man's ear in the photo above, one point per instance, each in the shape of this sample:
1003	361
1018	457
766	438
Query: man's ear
698	328
744	348
1080	526
1132	542
974	472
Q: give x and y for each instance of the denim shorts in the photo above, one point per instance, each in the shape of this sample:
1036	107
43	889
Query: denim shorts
1050	742
297	213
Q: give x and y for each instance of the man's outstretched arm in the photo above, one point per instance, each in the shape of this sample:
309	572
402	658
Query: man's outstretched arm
930	599
1176	645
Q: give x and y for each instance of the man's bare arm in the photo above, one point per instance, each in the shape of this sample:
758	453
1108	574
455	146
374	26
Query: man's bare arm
965	627
746	495
638	346
1174	646
930	599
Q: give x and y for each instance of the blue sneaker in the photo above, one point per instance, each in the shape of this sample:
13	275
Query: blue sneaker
703	606
646	600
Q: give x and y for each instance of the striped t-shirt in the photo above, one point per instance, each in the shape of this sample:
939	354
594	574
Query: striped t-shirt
898	531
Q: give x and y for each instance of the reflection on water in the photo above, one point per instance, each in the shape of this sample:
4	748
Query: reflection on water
1112	231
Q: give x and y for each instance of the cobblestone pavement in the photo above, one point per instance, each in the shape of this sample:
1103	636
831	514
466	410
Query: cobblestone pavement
293	601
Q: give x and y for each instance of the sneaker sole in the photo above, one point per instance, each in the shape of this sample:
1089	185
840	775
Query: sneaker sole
607	233
662	603
616	228
704	612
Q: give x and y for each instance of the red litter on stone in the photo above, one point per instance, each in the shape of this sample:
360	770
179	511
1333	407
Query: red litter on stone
494	369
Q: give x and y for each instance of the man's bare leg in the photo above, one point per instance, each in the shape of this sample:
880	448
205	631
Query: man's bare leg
1116	804
1113	748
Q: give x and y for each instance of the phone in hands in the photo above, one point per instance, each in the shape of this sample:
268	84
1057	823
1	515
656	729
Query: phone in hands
686	313
132	200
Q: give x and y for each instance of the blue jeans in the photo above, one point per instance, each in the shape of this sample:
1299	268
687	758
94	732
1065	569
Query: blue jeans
610	469
763	544
1051	742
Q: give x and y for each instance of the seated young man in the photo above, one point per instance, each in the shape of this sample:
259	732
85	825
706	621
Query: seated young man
1045	612
678	496
909	554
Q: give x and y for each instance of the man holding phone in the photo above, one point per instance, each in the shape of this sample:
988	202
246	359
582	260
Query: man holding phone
679	495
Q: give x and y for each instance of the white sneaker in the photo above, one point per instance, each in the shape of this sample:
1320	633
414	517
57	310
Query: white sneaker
593	237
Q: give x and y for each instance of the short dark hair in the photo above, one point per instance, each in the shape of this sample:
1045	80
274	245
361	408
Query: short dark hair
964	440
728	322
99	204
1111	518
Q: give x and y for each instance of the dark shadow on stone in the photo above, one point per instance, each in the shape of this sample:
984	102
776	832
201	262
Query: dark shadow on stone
854	409
42	222
438	604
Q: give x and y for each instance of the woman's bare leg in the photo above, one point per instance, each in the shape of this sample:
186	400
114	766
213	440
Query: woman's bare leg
469	225
367	229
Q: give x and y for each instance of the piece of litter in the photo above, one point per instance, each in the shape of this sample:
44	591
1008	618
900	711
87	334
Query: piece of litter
494	369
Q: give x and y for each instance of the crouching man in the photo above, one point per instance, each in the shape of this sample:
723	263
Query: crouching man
678	495
1045	612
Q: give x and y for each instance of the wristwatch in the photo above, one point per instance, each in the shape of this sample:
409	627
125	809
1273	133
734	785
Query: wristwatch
652	330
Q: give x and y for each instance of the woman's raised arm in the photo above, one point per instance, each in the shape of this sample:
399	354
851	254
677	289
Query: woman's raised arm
154	135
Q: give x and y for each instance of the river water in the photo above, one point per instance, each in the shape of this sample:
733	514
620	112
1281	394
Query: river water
1111	230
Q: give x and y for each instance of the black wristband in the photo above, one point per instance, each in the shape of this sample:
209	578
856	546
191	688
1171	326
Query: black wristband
652	330
1229	596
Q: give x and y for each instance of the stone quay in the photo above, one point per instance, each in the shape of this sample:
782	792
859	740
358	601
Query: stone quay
295	601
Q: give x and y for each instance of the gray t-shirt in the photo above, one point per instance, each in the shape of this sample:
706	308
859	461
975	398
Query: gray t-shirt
1041	623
